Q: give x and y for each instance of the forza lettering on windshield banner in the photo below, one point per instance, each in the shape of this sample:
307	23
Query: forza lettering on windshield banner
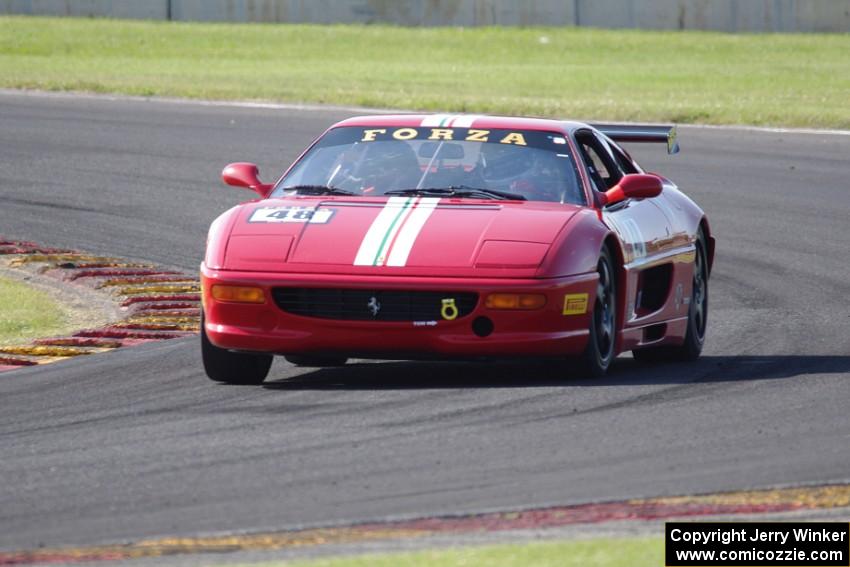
436	134
444	134
311	215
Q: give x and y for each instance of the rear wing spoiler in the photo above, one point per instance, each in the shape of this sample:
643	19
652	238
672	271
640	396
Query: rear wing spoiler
641	133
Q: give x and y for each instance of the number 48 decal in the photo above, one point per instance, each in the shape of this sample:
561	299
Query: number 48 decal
310	215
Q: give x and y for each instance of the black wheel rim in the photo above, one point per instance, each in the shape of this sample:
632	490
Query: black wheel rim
700	298
604	311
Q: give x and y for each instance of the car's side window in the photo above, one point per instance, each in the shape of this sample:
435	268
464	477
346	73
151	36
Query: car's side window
623	160
595	167
603	171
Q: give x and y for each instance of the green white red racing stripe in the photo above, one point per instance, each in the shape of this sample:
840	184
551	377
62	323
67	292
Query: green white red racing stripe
450	120
394	231
391	236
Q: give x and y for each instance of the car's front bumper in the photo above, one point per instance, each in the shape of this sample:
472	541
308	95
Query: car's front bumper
267	328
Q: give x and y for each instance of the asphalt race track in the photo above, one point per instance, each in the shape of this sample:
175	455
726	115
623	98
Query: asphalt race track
138	443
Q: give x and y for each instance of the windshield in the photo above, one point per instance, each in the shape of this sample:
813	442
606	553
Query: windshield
463	162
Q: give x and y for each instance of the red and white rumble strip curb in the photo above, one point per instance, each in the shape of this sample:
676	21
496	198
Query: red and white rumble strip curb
155	304
748	503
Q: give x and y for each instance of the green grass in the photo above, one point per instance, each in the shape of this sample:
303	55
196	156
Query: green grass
634	552
770	79
26	313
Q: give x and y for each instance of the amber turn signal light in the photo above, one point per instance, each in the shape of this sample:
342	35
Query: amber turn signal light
238	294
526	301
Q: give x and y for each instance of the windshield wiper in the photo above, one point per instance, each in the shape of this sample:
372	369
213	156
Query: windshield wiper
460	191
317	190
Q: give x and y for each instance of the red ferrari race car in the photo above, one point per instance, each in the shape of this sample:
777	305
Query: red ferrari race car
450	237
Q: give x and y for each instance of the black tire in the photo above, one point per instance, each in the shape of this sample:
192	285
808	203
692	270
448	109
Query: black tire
599	353
691	348
316	361
221	365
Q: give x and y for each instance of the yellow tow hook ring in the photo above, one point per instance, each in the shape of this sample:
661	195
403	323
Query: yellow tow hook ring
449	310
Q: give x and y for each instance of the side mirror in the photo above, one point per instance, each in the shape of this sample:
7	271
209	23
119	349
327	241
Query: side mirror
633	186
245	175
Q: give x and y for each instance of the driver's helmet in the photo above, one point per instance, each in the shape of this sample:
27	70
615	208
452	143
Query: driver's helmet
503	163
389	165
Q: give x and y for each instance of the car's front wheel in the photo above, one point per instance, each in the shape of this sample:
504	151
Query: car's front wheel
599	353
222	365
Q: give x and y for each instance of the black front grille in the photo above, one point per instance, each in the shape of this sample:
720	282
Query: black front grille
366	305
